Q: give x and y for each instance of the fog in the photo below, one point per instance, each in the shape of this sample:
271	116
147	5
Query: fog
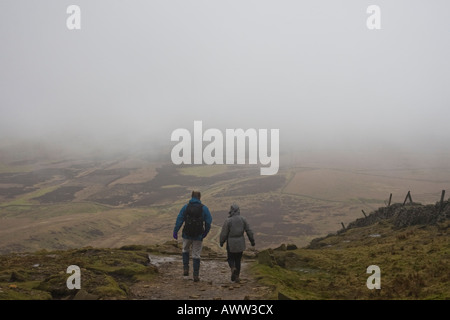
138	70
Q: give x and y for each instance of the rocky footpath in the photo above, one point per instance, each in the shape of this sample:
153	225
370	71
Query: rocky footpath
214	284
130	272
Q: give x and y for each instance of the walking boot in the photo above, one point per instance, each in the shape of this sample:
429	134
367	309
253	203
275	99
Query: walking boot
236	276
185	256
233	274
196	265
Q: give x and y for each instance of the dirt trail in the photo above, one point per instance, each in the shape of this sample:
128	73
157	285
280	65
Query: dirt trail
214	284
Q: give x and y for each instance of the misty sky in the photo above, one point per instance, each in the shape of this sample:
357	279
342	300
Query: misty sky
312	69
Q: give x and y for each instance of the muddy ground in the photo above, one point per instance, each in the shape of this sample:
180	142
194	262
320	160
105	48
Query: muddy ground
214	284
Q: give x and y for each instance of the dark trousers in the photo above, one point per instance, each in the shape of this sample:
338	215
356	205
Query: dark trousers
234	260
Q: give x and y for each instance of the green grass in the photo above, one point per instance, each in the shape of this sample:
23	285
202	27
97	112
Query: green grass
111	289
26	199
23	291
171	186
4	168
51	210
414	263
203	170
105	273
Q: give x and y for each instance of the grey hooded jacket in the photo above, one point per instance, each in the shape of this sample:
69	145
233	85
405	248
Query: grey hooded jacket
233	231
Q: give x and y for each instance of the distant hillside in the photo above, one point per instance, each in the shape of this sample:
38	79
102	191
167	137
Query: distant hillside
410	244
57	201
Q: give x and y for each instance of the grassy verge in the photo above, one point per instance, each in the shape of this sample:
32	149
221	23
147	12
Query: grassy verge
105	273
414	263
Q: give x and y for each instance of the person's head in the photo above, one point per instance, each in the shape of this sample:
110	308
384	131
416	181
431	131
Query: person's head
196	194
234	210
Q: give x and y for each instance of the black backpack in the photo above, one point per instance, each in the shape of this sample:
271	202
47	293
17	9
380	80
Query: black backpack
193	220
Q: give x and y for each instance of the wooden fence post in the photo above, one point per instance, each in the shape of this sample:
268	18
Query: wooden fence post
408	196
442	201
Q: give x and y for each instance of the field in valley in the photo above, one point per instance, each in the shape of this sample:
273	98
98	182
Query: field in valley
66	203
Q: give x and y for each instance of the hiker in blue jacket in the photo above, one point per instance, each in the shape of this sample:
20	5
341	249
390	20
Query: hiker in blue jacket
197	222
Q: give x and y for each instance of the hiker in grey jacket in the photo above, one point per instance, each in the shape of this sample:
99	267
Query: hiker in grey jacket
233	234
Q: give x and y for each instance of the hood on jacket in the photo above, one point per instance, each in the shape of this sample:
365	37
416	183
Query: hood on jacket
194	200
234	210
